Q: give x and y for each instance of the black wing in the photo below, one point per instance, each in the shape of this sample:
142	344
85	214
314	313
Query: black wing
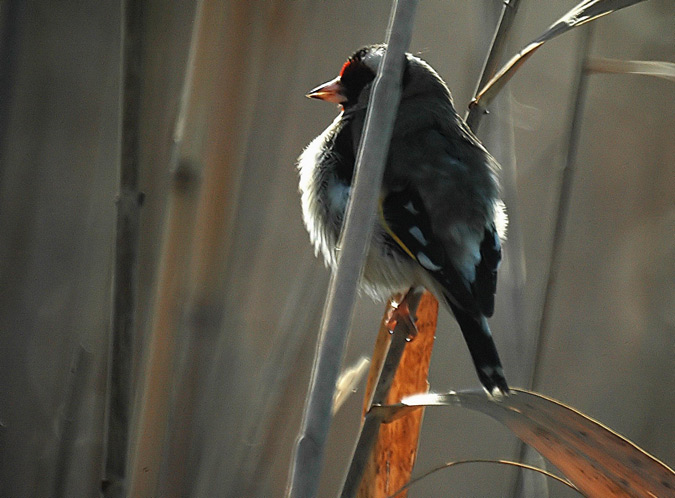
485	285
404	217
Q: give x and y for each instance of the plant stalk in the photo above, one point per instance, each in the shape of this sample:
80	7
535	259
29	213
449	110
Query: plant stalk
357	231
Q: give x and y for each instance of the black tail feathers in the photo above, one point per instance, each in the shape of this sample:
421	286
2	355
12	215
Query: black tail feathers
483	350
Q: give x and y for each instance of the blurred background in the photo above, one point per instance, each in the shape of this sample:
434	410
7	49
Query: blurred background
224	253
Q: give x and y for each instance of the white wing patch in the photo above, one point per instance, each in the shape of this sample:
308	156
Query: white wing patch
419	236
424	260
501	219
410	208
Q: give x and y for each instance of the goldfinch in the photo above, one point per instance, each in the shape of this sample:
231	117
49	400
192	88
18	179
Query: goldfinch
440	222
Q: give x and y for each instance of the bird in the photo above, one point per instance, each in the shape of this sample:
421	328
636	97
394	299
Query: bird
440	221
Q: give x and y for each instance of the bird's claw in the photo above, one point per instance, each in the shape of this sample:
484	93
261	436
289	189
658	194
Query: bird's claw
400	313
497	393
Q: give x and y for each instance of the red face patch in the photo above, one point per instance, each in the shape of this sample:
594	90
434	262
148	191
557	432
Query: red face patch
344	67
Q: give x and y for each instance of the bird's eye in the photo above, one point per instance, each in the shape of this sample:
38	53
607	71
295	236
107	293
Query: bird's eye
355	75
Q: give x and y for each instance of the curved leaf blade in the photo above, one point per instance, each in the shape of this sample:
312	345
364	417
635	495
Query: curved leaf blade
594	458
586	11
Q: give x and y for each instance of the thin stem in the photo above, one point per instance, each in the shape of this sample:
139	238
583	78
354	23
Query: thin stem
373	419
567	178
317	416
75	394
519	465
126	257
490	66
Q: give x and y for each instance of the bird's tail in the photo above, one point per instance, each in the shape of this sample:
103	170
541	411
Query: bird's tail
483	350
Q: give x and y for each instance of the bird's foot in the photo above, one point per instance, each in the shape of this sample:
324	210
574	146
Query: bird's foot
497	393
399	312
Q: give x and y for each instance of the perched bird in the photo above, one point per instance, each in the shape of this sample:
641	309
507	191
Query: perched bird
440	220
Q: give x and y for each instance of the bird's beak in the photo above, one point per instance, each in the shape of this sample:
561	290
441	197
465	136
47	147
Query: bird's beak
331	91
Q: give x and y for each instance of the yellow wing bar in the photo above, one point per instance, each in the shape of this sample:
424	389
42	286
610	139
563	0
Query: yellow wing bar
386	226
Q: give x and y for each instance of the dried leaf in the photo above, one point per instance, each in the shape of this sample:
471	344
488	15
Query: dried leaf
594	458
586	11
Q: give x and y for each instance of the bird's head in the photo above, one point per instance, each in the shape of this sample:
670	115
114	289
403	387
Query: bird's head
351	88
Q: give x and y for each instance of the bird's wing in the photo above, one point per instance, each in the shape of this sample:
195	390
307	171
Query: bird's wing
433	166
485	285
405	219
